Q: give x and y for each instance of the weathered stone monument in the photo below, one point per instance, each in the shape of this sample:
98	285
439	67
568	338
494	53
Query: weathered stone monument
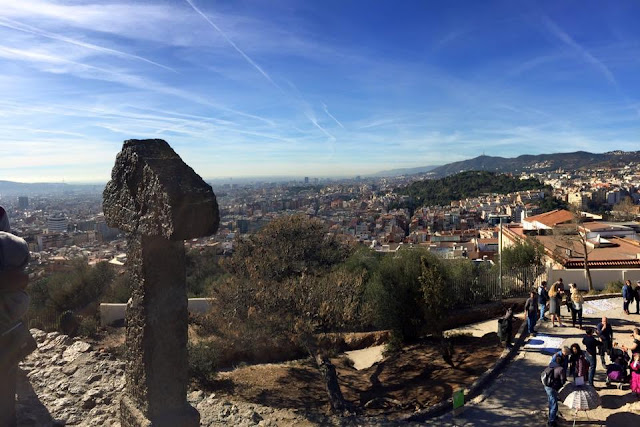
158	201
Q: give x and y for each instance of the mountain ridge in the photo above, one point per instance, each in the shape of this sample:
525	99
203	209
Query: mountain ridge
539	162
522	163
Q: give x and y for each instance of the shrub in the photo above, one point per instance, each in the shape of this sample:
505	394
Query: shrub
614	287
88	326
68	323
202	361
396	293
119	290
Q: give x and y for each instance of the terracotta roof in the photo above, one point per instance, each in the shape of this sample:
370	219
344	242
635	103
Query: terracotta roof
488	241
604	226
622	253
635	263
552	218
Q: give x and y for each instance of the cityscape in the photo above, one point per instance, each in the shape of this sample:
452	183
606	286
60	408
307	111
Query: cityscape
300	214
363	210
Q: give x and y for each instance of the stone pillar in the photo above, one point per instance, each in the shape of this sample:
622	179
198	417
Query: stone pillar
159	201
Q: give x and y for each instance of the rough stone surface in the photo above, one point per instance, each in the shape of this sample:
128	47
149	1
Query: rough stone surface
49	396
152	192
158	201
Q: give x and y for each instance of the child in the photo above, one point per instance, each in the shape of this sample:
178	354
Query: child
635	374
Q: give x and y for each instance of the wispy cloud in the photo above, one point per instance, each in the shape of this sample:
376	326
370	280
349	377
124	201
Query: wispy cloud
8	23
565	38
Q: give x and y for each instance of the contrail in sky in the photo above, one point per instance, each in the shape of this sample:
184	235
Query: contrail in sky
240	51
326	110
565	38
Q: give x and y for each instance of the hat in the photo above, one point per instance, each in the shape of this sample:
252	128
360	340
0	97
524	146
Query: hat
14	252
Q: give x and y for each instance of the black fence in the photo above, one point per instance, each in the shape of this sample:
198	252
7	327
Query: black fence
484	285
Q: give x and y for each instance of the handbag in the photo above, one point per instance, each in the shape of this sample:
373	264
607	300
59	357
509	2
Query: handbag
16	343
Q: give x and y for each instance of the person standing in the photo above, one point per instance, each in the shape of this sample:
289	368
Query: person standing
635	374
505	327
553	378
531	311
578	364
627	296
605	333
14	303
554	304
576	305
636	296
591	344
543	297
561	297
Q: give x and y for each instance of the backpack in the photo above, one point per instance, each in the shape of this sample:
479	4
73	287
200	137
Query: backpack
547	377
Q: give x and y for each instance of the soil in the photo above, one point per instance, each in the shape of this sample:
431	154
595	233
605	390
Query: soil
414	378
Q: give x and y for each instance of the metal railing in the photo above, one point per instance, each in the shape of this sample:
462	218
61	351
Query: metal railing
484	285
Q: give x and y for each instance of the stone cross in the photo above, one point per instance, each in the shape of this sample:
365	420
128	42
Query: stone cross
158	201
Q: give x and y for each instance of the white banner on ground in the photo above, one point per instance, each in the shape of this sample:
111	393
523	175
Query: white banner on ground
545	343
598	305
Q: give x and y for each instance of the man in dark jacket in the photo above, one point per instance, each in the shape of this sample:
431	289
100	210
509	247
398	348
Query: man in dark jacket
557	380
605	333
627	296
636	296
592	344
505	328
531	311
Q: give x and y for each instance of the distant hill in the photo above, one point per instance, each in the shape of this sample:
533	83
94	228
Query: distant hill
443	191
540	163
11	188
405	171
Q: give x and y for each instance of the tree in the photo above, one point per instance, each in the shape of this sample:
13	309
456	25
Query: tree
525	253
287	247
438	300
396	292
626	210
575	235
287	282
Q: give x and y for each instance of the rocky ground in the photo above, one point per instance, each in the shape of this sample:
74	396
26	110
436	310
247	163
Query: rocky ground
66	382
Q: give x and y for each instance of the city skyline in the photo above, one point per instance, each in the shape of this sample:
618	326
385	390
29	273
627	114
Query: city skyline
333	89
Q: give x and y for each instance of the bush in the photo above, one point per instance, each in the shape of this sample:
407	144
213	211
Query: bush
88	326
120	289
396	293
72	290
68	323
203	268
202	362
614	287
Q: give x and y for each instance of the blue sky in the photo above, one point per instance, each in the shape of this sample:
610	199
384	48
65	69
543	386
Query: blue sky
312	88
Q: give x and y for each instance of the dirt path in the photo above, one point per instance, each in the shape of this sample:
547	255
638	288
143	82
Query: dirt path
367	357
411	380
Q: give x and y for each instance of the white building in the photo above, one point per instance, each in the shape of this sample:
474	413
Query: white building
57	223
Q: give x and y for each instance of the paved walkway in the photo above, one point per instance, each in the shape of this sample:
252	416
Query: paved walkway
517	398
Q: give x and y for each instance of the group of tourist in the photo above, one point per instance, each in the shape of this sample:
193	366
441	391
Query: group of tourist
555	297
629	294
578	363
